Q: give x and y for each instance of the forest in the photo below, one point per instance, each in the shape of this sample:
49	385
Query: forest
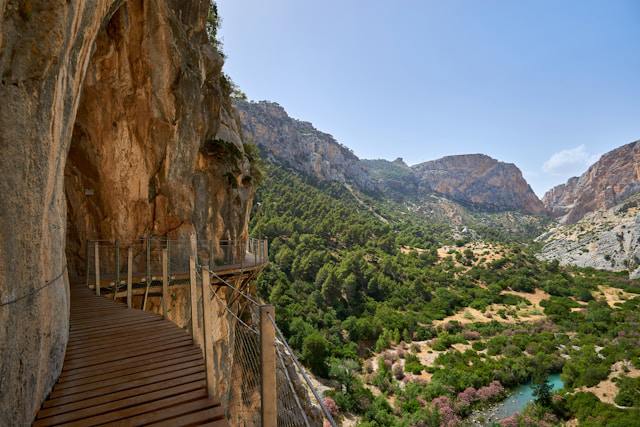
408	326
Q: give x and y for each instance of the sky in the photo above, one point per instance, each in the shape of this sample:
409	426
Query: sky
547	85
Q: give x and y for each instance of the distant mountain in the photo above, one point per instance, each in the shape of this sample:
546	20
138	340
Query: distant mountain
299	145
480	181
608	182
476	181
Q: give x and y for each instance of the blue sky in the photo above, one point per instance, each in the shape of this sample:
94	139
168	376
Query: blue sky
547	85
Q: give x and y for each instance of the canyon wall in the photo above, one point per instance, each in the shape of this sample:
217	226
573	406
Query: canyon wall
608	182
299	145
480	181
115	122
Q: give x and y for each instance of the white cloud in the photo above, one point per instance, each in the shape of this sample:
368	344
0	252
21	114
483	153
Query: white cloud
569	162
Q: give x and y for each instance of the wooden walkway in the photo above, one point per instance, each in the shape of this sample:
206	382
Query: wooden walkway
128	367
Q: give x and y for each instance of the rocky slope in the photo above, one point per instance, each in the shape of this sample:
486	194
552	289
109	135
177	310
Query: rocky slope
115	121
479	181
299	145
607	239
606	183
395	179
474	180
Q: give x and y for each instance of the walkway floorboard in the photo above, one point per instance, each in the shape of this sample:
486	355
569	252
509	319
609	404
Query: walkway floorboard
128	367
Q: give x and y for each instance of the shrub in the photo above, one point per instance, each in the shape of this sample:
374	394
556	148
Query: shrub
412	364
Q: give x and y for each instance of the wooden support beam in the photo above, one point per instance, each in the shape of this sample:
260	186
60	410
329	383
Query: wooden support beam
165	283
148	278
208	331
129	275
117	266
87	251
268	366
193	297
97	261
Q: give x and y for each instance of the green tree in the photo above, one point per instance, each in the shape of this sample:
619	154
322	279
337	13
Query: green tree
314	352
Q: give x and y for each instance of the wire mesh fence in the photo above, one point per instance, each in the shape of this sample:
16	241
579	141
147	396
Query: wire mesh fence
299	402
244	394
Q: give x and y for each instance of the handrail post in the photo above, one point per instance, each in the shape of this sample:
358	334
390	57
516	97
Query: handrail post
208	332
148	279
193	292
88	252
117	262
165	282
97	260
129	275
268	366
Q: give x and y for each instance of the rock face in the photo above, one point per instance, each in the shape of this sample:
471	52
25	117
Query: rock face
480	181
115	121
299	145
474	180
609	181
606	239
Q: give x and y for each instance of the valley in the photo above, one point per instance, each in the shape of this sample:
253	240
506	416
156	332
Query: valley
418	308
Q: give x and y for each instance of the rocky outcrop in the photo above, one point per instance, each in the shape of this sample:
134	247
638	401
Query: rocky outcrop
299	145
606	183
395	179
479	181
607	239
115	122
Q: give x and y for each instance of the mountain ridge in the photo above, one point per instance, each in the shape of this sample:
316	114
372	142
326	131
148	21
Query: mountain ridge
474	180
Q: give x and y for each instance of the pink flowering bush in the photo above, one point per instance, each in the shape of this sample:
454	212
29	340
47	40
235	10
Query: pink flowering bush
491	392
331	405
468	396
445	408
511	421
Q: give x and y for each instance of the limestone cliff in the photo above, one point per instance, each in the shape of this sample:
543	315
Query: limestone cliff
480	181
115	122
605	184
474	180
299	145
606	239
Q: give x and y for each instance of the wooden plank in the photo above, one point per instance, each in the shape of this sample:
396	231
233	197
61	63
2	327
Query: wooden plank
78	394
134	334
204	416
151	411
122	339
122	396
142	370
103	404
106	345
125	354
134	363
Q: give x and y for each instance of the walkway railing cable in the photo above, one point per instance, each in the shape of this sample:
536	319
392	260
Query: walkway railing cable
36	290
303	372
